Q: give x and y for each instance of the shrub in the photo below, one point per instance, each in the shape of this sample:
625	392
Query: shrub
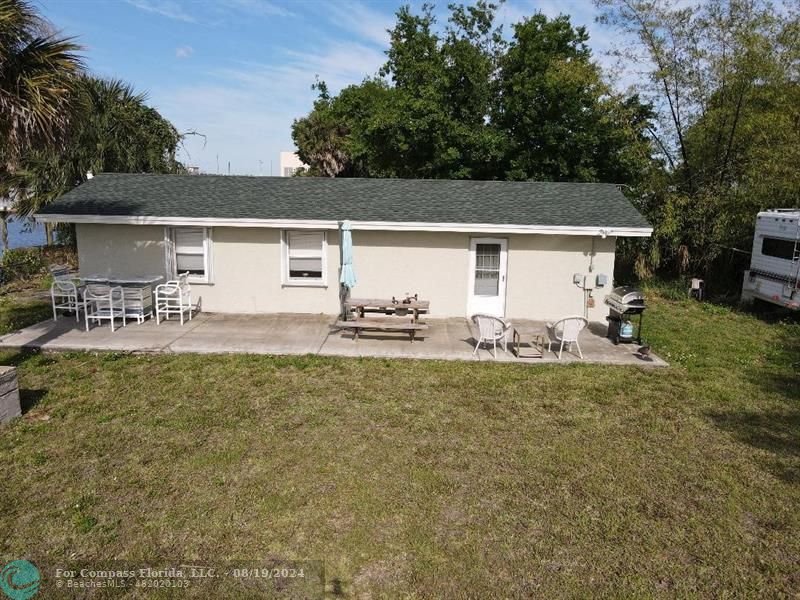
22	263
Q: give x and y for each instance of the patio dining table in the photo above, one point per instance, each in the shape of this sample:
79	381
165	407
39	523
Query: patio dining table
134	281
137	291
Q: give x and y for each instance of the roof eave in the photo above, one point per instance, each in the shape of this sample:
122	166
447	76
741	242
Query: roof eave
494	228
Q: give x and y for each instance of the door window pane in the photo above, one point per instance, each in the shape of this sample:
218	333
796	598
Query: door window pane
487	256
487	269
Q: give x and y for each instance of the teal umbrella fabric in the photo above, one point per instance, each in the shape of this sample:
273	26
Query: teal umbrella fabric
348	277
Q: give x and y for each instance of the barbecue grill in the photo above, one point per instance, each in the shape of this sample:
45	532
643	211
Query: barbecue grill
624	303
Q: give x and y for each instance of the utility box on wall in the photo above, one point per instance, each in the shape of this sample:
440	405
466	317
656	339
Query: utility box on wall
9	394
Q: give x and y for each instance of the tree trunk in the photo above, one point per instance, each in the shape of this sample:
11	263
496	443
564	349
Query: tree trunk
4	219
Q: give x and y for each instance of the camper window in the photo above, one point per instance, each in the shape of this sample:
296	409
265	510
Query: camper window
778	248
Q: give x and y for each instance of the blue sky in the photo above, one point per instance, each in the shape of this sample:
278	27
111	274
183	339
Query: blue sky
240	71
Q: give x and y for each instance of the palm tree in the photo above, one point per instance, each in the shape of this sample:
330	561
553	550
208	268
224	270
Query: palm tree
115	133
38	75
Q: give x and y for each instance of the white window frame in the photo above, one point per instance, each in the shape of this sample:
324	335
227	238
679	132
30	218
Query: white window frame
172	261
286	280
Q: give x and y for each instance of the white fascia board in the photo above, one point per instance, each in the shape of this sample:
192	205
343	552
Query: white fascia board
356	225
186	221
496	228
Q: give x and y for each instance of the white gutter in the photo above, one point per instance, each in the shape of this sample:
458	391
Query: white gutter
356	225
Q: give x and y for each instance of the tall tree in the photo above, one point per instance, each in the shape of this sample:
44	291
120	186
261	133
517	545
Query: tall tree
330	138
428	114
561	119
38	75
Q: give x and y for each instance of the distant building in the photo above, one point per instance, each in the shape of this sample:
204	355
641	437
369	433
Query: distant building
193	170
290	162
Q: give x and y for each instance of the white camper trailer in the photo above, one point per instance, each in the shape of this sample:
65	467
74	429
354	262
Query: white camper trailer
774	274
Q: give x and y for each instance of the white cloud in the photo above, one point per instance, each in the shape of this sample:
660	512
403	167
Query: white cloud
183	51
360	19
165	8
211	13
263	8
246	112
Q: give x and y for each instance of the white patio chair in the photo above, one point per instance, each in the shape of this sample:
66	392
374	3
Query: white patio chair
103	302
64	296
490	331
566	331
174	298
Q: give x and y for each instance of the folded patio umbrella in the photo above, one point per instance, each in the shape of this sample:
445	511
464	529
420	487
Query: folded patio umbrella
348	277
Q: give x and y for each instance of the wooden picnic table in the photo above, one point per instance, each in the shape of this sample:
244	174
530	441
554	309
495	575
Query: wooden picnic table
363	305
394	320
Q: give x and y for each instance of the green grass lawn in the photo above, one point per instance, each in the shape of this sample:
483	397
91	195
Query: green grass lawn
425	478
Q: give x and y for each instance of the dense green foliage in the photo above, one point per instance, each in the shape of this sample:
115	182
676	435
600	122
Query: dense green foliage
724	74
556	113
22	263
466	103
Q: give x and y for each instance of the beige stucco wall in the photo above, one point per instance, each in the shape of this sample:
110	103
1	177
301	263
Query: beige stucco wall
433	265
436	266
540	269
121	250
247	278
246	269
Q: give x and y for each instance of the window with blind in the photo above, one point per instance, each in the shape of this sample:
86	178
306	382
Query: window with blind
305	257
190	247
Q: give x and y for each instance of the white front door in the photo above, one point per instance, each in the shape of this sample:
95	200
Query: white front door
487	276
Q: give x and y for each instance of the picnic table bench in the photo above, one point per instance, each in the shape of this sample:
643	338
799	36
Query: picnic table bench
400	316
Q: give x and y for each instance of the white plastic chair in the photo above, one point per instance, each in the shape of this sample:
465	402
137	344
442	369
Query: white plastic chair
64	296
566	331
174	298
490	331
103	302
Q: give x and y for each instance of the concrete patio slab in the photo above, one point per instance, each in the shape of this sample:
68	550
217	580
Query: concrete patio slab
280	334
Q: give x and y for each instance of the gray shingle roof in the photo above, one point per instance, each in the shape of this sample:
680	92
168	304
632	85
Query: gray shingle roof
309	198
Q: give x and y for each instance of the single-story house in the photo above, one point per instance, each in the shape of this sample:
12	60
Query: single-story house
531	250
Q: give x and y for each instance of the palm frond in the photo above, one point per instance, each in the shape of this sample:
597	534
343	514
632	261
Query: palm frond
38	78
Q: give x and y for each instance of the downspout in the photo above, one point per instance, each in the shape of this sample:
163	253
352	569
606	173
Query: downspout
343	291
